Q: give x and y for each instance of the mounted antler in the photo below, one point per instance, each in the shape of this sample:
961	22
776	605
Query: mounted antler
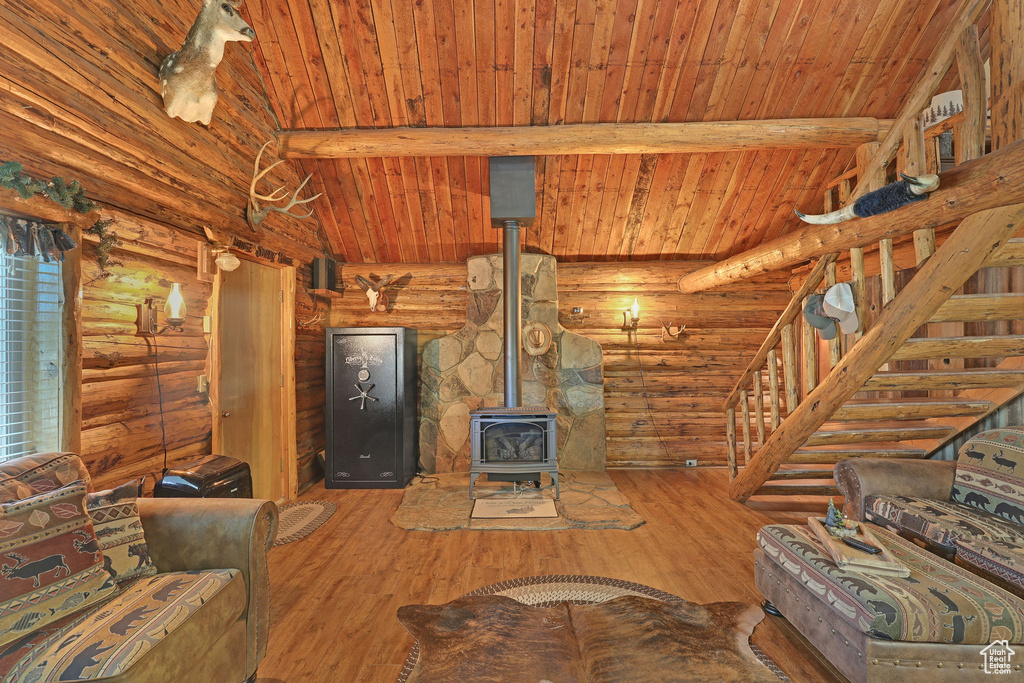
374	291
254	213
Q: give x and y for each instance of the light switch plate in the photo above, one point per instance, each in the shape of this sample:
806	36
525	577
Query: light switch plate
207	324
202	384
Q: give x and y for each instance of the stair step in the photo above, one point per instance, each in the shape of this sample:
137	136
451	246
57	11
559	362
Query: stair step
962	347
797	490
1010	254
980	307
979	378
909	409
881	433
791	474
805	456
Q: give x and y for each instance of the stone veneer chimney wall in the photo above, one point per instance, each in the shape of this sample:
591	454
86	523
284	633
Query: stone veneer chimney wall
463	371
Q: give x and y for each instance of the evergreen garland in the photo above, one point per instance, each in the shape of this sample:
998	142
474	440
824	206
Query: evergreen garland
68	194
107	242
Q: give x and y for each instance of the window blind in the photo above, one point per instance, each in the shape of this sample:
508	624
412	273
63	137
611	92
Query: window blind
30	366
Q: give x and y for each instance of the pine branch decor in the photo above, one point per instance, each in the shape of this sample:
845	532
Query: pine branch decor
68	194
108	241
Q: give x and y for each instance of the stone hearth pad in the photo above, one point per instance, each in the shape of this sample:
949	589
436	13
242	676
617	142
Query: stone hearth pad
589	500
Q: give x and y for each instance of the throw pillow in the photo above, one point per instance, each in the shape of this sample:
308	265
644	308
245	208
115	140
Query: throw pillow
115	516
987	477
50	561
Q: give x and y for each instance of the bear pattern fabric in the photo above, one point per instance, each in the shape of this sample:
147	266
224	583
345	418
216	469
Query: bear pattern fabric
990	474
115	516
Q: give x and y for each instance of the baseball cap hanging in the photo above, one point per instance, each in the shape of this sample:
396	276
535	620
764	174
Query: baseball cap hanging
814	313
839	306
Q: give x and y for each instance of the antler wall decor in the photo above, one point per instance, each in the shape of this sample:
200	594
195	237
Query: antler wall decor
375	292
254	213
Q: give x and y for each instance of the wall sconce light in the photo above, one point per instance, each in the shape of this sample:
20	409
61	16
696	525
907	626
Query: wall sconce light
226	260
174	314
631	316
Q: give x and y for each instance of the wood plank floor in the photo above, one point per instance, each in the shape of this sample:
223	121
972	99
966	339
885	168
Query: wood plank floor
334	593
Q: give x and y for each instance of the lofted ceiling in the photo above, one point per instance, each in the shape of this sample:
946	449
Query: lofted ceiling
332	64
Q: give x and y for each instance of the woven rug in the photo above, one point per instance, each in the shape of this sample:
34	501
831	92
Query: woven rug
302	518
549	591
588	500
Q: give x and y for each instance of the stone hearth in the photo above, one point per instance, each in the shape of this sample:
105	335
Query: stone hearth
463	371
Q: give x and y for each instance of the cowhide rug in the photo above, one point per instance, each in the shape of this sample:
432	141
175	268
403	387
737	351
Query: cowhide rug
631	638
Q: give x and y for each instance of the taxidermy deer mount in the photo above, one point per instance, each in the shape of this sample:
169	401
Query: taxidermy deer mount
254	213
375	292
188	78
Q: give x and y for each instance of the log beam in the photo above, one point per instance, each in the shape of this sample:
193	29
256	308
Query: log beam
589	138
992	181
958	258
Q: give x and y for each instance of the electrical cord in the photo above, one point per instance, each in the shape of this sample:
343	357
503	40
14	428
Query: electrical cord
647	398
160	400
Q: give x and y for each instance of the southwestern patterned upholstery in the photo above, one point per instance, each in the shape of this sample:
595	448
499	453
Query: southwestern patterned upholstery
39	473
51	561
115	516
108	640
205	617
939	523
990	474
937	603
1001	562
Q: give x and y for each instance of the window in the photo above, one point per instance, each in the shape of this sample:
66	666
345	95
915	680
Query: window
30	356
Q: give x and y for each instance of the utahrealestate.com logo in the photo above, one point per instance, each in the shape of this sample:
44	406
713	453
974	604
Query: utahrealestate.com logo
997	657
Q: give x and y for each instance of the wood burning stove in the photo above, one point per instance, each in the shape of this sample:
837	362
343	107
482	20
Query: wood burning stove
513	444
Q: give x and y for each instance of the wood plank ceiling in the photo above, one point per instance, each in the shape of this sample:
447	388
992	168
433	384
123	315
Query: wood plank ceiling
388	63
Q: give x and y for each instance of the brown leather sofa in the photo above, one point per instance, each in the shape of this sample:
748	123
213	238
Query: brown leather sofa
203	616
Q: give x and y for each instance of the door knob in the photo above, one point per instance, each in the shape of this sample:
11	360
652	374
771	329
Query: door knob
226	414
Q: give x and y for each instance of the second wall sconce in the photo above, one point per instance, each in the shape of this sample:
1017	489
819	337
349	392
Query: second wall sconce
174	314
631	316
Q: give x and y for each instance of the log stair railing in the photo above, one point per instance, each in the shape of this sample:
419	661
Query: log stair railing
791	447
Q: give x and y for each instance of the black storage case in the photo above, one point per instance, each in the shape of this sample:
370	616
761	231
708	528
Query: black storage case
371	440
215	476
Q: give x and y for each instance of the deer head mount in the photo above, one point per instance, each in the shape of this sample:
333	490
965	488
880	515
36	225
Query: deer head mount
188	78
254	213
375	292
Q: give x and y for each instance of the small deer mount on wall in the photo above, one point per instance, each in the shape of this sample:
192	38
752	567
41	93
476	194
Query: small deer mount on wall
375	292
188	77
255	213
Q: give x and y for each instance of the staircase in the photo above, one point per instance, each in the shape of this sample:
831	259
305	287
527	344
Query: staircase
898	392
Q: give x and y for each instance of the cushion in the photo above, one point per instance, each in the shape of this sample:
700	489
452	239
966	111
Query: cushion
50	561
115	516
938	603
990	474
999	559
939	521
31	474
107	641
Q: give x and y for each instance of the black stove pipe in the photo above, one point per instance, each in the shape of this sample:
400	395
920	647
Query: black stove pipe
513	312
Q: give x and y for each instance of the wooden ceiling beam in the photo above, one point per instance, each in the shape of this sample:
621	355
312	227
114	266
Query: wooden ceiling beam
594	138
994	180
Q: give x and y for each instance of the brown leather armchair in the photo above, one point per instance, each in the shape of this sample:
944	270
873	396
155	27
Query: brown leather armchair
212	533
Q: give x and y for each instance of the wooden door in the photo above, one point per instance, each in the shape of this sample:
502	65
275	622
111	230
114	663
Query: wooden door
249	414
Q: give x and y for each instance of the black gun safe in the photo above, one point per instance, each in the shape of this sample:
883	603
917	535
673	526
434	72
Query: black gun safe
372	432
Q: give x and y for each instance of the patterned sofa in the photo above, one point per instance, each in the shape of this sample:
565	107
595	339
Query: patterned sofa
970	511
101	585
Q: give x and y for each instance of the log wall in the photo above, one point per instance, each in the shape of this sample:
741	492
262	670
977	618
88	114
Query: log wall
81	100
686	380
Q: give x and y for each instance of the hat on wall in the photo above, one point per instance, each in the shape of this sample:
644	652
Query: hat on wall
839	305
814	313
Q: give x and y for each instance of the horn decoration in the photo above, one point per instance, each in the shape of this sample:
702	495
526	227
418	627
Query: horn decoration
894	195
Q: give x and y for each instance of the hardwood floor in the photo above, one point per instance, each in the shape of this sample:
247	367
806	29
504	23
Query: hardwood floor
334	593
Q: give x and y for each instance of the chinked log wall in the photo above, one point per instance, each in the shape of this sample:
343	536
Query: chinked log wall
687	380
81	100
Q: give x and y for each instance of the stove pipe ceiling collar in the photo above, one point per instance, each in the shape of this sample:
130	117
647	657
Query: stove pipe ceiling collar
513	205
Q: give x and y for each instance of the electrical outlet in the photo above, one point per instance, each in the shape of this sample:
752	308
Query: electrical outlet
691	463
